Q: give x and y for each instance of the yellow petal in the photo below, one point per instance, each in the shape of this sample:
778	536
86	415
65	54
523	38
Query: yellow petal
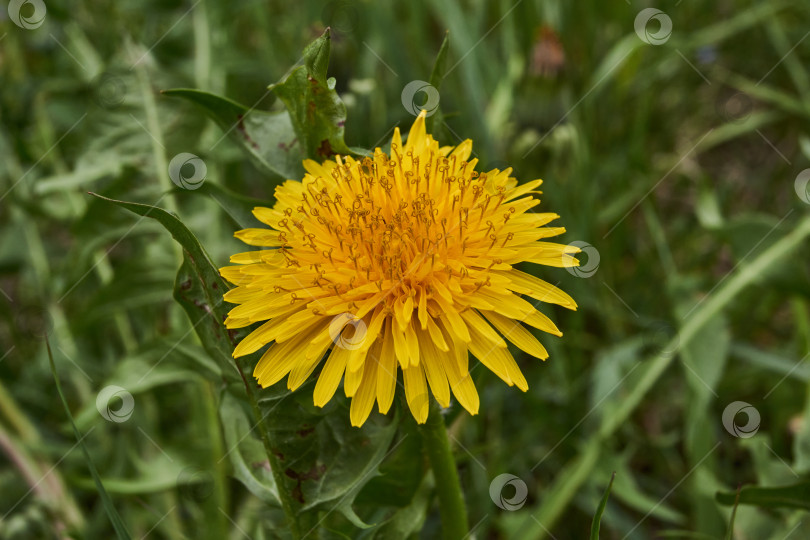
538	289
363	400
386	373
413	345
474	320
436	335
517	334
416	392
434	369
330	376
541	322
492	356
461	383
260	237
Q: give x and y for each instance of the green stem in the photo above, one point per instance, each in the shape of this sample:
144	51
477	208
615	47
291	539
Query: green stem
451	500
275	464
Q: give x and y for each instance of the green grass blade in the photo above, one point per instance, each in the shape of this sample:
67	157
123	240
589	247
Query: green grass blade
577	471
117	523
597	518
730	532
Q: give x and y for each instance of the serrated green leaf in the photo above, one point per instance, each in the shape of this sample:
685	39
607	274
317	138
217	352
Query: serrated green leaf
198	287
326	460
268	137
792	496
401	472
409	520
315	109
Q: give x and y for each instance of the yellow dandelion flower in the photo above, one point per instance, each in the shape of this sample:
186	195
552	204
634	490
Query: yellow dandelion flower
396	263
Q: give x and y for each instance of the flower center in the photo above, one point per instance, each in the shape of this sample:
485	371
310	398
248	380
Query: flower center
396	222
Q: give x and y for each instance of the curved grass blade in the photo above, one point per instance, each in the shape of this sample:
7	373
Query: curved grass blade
730	532
436	78
791	496
117	523
597	518
576	472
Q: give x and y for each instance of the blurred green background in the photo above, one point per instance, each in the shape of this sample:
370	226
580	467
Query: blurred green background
677	157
